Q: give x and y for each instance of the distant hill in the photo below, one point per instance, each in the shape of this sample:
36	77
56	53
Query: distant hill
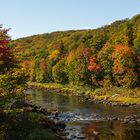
88	57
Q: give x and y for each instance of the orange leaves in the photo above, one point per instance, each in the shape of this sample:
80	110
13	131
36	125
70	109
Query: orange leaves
43	65
122	57
93	66
121	50
118	68
70	56
88	52
85	58
75	54
123	66
27	65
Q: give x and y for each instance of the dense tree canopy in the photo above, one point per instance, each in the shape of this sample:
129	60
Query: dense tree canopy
6	56
12	79
85	57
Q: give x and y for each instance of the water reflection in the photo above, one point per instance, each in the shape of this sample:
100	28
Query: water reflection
111	130
75	113
75	105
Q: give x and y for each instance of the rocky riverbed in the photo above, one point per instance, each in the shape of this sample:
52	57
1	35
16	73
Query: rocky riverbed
85	120
59	120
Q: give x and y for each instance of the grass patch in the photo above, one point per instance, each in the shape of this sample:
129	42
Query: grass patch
112	94
23	126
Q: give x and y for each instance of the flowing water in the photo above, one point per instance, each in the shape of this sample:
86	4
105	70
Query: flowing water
86	120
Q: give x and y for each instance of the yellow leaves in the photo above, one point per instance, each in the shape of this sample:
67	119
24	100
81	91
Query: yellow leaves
70	56
2	93
54	54
13	110
75	53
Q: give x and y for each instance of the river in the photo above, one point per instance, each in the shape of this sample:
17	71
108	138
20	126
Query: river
86	120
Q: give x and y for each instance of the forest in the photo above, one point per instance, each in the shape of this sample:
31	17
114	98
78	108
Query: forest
17	122
105	56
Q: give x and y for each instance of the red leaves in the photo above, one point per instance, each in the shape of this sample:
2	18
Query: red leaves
4	38
6	56
87	53
43	66
4	42
6	60
86	60
27	66
93	66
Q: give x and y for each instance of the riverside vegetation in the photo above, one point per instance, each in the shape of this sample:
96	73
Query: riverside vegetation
106	95
106	60
16	122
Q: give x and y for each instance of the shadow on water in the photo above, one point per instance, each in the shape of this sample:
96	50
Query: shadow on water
111	130
88	120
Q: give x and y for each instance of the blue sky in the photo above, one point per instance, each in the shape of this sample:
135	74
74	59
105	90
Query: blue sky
28	17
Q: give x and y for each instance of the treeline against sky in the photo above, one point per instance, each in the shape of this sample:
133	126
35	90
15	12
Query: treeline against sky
109	55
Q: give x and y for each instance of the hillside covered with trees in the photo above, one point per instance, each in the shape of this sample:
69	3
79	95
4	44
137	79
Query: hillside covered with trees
109	55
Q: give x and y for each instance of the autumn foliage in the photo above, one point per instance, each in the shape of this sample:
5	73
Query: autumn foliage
110	54
6	56
93	66
12	78
123	67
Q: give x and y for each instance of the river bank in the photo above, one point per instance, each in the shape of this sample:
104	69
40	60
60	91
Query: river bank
86	119
57	127
29	122
111	95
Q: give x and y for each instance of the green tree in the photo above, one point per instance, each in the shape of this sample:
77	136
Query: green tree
58	72
105	60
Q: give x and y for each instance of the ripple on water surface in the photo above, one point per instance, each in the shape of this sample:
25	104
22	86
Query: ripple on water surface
88	120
